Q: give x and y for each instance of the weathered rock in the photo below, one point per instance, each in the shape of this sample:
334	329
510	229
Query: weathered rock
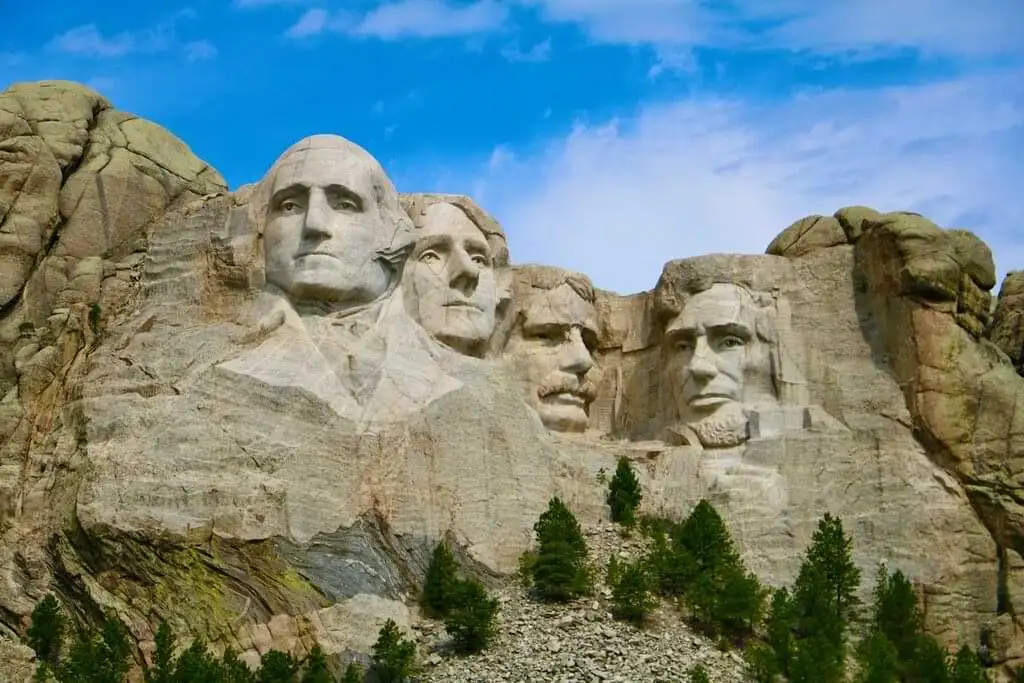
252	416
1006	328
806	235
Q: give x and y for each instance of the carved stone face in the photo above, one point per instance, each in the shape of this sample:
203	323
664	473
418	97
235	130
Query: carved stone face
449	281
552	349
324	227
716	363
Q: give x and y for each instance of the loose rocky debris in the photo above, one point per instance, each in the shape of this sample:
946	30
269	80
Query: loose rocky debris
580	641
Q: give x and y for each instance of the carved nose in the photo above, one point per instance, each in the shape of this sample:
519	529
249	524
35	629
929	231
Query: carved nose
463	273
575	354
702	366
318	217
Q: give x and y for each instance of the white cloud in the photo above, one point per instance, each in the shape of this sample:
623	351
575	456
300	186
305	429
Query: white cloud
199	50
949	27
88	41
407	19
539	52
617	200
311	23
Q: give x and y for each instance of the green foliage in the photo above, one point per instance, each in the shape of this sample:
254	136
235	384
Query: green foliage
966	668
761	663
46	631
197	665
631	585
470	621
277	667
879	662
624	494
393	656
353	673
163	657
97	657
440	582
94	318
560	571
234	670
316	670
700	565
699	675
779	629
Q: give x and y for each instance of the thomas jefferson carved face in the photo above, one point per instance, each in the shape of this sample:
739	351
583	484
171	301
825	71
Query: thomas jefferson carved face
552	350
449	282
326	224
717	363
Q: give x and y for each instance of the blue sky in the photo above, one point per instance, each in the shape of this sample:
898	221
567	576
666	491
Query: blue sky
606	135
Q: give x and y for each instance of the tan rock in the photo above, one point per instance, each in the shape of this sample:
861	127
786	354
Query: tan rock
1006	328
806	235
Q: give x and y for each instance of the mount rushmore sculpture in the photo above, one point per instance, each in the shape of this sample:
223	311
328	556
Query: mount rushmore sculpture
253	414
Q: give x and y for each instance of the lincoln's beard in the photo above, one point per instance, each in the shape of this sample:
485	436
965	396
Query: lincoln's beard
724	428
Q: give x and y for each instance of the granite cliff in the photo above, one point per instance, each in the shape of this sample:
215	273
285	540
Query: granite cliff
221	410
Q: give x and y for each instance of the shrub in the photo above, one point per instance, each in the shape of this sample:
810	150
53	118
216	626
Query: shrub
698	674
353	673
315	669
393	656
631	586
624	494
277	667
966	668
559	571
46	631
470	621
440	581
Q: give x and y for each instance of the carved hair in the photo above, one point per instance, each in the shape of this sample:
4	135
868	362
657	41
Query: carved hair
552	277
416	206
385	196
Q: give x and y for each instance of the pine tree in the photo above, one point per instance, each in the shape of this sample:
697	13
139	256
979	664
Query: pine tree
698	674
315	667
824	601
277	667
779	629
966	668
440	581
930	663
631	586
393	656
353	673
101	657
163	657
624	493
879	661
46	631
559	571
234	670
197	665
760	663
470	621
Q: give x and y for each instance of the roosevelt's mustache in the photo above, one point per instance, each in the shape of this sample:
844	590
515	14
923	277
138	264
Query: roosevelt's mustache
587	390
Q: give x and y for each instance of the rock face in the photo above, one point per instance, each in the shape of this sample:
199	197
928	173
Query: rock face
253	414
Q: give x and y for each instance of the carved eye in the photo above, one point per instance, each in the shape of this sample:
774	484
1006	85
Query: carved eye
732	343
683	344
429	256
347	204
481	260
289	206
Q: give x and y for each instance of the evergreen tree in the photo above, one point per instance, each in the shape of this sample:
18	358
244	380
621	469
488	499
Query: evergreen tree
234	670
315	667
46	631
824	602
470	621
930	664
440	581
631	590
393	656
698	674
197	665
101	657
779	629
353	673
163	657
624	494
879	661
761	664
559	571
966	668
277	667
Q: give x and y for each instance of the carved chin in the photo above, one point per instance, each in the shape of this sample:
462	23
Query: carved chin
569	415
724	428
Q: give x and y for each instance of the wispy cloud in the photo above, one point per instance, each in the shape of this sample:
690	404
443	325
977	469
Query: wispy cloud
199	50
539	52
88	41
699	176
946	27
406	19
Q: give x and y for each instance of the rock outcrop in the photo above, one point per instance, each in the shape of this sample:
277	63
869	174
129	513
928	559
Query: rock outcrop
253	414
